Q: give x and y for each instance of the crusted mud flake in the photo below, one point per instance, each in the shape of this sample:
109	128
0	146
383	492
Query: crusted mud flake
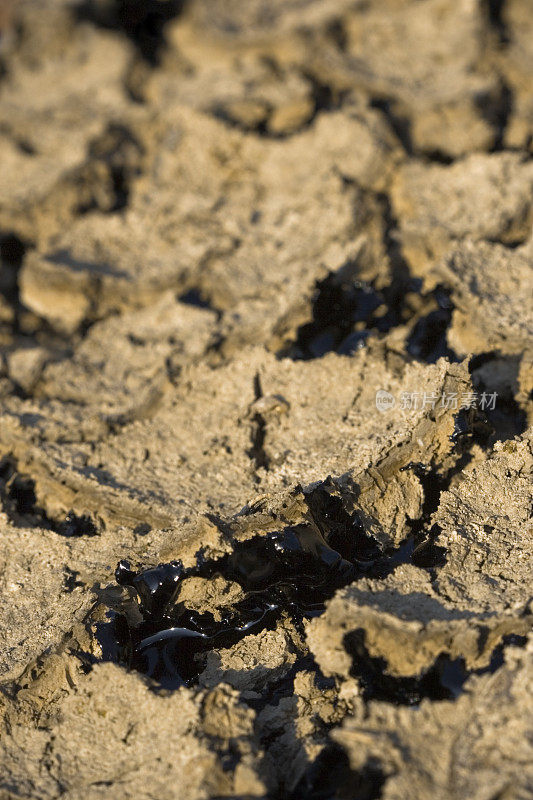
475	746
405	623
488	280
438	204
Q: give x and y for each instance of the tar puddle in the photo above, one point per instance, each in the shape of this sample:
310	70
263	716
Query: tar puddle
292	571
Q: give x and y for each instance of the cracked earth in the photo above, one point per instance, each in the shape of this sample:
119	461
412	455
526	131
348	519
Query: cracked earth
227	230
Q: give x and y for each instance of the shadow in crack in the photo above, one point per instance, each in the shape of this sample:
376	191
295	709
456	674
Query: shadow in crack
444	680
142	21
330	777
346	311
19	502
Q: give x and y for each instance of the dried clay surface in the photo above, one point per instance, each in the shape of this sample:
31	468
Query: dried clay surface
266	395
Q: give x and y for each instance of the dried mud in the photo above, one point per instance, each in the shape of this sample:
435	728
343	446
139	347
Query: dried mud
263	532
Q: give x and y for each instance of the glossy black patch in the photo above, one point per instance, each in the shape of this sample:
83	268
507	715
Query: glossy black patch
293	570
427	554
155	587
71	579
346	311
74	525
462	425
342	531
471	425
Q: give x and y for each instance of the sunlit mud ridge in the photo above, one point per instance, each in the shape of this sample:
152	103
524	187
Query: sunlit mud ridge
266	393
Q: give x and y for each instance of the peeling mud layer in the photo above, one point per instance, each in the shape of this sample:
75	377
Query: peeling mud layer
266	395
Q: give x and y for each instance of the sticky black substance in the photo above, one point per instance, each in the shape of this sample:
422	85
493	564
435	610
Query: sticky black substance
343	531
346	311
74	525
293	570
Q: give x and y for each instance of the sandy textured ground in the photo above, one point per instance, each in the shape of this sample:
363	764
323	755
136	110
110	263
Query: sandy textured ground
265	318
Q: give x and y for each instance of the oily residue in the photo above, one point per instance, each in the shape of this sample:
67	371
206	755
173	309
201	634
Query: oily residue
292	571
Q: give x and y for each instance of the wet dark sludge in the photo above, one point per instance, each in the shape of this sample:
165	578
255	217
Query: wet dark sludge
292	571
